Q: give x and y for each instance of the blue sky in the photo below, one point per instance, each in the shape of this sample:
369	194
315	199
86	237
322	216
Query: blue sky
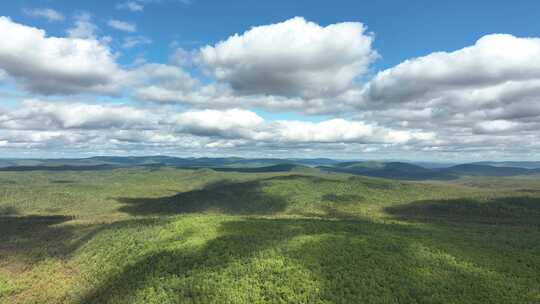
403	29
348	103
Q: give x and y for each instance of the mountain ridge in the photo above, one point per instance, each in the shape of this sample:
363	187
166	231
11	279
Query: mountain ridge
384	169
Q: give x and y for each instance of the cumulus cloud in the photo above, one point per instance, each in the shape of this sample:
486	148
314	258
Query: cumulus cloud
47	13
476	100
494	60
181	57
157	80
475	97
243	124
122	25
295	65
237	132
40	115
220	96
54	65
39	123
83	27
496	126
345	131
339	130
228	124
292	58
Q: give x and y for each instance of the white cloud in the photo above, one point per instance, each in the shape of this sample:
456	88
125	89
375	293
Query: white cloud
294	65
496	126
122	25
3	75
218	96
247	125
479	99
48	127
131	5
134	41
170	78
229	123
49	124
40	115
344	131
474	96
138	5
181	57
83	28
292	58
335	130
54	65
494	60
47	13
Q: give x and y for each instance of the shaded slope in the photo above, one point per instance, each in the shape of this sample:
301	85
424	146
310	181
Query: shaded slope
394	170
406	171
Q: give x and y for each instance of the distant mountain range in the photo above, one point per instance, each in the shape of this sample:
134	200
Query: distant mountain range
400	170
393	170
517	164
118	161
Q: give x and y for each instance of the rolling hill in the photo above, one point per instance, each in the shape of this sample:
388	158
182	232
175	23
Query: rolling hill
393	170
407	171
274	234
126	161
515	164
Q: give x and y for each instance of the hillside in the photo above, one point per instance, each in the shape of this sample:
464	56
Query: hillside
393	170
515	164
406	171
267	169
159	235
128	161
485	170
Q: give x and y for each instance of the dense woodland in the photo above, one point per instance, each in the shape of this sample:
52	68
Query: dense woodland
169	235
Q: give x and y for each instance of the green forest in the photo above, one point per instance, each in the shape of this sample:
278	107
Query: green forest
170	235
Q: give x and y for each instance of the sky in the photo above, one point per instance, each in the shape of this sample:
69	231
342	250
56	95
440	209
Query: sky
407	80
